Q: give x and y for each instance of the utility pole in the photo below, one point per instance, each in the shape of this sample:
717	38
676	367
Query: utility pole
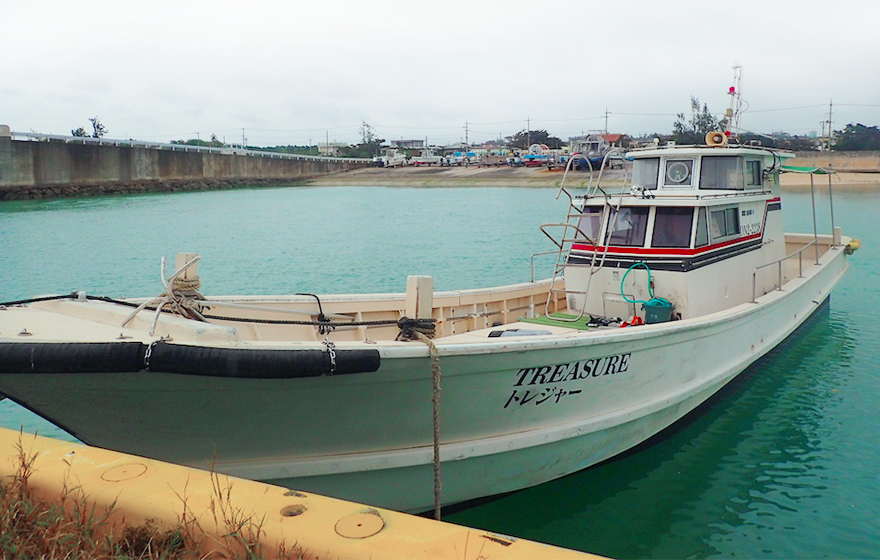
830	135
528	132
606	120
466	137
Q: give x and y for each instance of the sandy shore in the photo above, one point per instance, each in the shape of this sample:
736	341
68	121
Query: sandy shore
536	177
797	181
471	176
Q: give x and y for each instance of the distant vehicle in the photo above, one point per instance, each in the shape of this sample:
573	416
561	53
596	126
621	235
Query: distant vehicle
463	158
538	155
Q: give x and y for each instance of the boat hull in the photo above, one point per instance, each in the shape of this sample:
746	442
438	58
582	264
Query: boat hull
515	412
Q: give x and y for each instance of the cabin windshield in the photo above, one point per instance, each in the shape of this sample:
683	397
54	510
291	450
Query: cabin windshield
679	173
645	172
702	238
672	227
590	223
753	174
725	223
722	172
627	227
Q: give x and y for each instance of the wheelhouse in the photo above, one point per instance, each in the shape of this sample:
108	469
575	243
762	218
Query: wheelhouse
685	210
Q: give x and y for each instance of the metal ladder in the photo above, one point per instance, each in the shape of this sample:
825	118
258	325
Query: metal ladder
566	239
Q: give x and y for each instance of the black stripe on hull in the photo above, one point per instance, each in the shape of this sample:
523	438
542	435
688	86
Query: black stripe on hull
115	357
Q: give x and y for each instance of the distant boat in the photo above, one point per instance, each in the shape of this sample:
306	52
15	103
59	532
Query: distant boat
392	158
426	157
589	153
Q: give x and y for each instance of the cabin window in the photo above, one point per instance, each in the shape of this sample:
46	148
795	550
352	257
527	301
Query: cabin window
702	238
590	223
672	227
753	173
645	173
721	172
725	223
678	172
627	227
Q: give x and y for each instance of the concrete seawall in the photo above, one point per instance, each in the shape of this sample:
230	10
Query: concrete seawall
846	162
66	167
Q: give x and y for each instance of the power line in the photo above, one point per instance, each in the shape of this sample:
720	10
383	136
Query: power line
784	109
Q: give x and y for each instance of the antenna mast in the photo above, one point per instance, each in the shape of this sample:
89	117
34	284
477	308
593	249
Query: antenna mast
734	111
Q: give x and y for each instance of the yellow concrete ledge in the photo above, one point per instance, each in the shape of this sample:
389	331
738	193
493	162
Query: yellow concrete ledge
139	489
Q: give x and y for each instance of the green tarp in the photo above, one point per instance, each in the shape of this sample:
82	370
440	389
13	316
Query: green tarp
558	320
812	170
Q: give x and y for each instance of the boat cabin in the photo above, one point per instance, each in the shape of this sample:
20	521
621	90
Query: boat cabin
696	220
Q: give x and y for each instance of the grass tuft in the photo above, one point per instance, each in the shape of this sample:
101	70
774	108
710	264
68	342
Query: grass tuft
75	529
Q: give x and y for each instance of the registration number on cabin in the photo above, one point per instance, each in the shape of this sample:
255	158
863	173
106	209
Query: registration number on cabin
552	384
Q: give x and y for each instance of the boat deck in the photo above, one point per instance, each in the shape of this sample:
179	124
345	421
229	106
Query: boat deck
459	316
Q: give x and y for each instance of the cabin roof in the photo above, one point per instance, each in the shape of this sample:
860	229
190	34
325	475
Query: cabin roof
689	151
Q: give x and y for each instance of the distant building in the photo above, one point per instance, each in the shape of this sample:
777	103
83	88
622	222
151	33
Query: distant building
331	149
613	140
408	144
493	145
616	140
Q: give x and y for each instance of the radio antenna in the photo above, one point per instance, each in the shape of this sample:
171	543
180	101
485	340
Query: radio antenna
735	110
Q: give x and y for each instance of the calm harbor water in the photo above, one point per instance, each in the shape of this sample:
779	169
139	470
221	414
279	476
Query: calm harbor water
783	463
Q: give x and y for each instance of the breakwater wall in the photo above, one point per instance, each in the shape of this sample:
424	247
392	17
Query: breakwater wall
848	162
42	166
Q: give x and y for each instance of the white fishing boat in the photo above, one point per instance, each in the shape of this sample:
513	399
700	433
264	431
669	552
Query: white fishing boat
337	394
427	157
394	157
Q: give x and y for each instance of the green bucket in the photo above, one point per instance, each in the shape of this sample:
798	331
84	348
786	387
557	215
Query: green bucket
657	311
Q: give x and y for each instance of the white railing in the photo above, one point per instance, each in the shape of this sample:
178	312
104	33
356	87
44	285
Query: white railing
800	256
38	137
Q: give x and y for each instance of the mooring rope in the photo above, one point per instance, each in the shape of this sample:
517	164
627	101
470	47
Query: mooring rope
423	325
423	330
435	401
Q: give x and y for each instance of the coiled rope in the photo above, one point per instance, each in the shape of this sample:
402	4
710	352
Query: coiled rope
654	301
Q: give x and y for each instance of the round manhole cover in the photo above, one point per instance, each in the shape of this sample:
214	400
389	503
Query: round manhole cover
360	525
124	472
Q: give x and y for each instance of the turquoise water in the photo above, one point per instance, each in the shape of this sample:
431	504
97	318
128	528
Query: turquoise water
783	464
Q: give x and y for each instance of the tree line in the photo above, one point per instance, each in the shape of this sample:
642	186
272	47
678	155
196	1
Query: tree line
687	129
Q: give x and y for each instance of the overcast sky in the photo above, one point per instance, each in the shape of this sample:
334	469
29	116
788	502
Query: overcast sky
296	72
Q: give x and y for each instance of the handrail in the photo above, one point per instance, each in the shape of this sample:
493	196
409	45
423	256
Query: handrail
779	264
561	243
532	261
36	136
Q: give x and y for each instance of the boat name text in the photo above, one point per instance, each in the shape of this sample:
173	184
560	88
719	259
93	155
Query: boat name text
548	376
